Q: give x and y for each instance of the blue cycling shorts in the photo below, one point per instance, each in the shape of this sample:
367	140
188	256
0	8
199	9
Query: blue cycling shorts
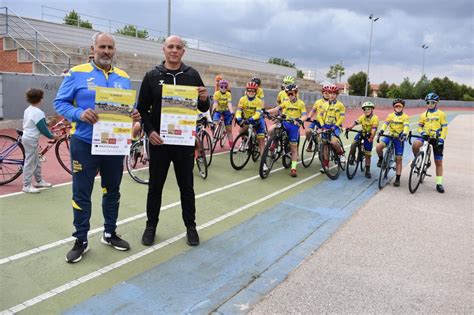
227	117
367	145
293	131
396	143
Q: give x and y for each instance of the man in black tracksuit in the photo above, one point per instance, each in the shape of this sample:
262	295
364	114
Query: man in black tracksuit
171	71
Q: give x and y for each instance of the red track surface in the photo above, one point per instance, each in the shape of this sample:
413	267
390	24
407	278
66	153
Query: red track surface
54	173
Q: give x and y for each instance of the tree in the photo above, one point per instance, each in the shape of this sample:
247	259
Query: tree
422	87
131	30
282	62
336	72
393	91
299	74
357	84
73	18
407	89
383	89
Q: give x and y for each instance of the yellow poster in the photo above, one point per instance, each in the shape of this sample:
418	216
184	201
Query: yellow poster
178	114
112	134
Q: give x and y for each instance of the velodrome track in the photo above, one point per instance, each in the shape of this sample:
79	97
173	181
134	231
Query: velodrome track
247	227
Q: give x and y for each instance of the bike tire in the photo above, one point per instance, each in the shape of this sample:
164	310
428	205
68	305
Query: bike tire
308	157
62	151
269	157
416	173
385	169
137	163
240	152
427	164
201	161
207	146
255	150
286	160
351	169
333	167
12	159
341	164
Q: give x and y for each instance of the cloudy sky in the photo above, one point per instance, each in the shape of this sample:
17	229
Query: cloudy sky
314	34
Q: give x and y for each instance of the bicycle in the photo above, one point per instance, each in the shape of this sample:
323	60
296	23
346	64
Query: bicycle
12	152
244	147
421	163
330	160
200	157
388	161
358	156
314	142
278	145
219	134
206	140
138	160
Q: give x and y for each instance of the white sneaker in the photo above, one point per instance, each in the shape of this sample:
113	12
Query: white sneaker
43	183
30	190
342	158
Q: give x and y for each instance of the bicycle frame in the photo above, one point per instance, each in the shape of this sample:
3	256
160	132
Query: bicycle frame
419	169
4	154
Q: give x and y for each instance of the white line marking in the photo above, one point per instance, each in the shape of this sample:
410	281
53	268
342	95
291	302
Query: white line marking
51	293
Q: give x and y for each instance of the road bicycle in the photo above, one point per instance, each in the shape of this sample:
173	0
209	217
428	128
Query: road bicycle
203	135
421	163
330	160
219	134
12	152
388	161
356	158
244	147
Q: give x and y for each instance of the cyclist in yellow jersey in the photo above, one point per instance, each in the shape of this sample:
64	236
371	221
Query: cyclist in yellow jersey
260	93
294	109
398	126
332	116
317	108
250	108
369	123
281	97
433	123
222	106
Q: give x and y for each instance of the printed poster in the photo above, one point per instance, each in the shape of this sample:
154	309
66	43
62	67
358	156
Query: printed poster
178	114
112	134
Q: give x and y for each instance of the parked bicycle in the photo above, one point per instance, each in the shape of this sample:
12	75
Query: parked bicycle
311	146
420	164
357	157
388	161
244	147
138	161
330	161
12	152
203	135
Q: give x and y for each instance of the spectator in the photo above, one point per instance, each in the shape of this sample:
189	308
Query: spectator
171	71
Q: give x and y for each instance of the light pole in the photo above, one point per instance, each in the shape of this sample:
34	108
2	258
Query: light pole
425	47
372	20
169	18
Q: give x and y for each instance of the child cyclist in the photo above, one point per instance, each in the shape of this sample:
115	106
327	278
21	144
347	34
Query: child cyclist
433	123
369	123
294	109
250	108
222	106
317	108
281	97
260	93
398	126
332	116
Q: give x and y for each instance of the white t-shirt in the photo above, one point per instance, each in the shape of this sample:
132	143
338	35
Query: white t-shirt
31	117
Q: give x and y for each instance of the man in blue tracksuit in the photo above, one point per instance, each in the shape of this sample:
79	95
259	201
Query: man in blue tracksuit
76	102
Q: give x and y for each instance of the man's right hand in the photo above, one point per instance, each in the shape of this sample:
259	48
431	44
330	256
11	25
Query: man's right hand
89	116
155	138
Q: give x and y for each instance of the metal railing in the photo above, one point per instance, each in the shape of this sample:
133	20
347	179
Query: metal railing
34	43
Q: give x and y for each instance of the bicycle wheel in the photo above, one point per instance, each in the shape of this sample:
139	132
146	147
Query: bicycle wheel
269	157
331	165
255	150
416	173
223	137
286	160
427	164
207	146
12	158
240	152
217	136
307	157
138	163
201	160
385	169
353	161
342	165
63	154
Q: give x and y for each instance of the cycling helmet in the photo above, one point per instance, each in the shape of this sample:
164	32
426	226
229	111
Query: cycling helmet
326	88
218	78
333	89
398	100
251	86
288	79
256	80
224	84
432	97
368	104
291	88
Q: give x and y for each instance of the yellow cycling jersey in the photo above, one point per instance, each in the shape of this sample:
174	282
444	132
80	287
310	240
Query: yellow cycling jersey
293	110
318	106
396	124
282	97
433	124
332	114
368	123
222	100
260	93
249	108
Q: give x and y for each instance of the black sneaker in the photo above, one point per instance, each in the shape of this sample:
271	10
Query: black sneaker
148	237
379	162
115	241
79	249
396	183
193	237
367	173
440	188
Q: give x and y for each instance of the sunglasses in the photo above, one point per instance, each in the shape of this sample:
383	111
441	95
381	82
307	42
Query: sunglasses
366	109
178	47
430	102
398	106
291	94
251	91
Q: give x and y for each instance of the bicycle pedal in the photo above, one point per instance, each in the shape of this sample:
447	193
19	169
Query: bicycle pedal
428	175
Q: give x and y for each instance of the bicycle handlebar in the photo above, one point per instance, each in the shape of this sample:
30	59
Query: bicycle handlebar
424	138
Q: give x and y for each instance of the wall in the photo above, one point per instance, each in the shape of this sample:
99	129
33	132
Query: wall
9	61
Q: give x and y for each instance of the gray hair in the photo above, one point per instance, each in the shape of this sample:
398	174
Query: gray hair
94	37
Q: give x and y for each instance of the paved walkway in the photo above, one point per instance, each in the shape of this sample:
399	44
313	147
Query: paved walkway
400	253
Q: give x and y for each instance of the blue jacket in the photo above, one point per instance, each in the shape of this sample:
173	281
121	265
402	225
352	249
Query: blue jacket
77	93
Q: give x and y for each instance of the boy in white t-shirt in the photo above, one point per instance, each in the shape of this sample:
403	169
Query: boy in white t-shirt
34	125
